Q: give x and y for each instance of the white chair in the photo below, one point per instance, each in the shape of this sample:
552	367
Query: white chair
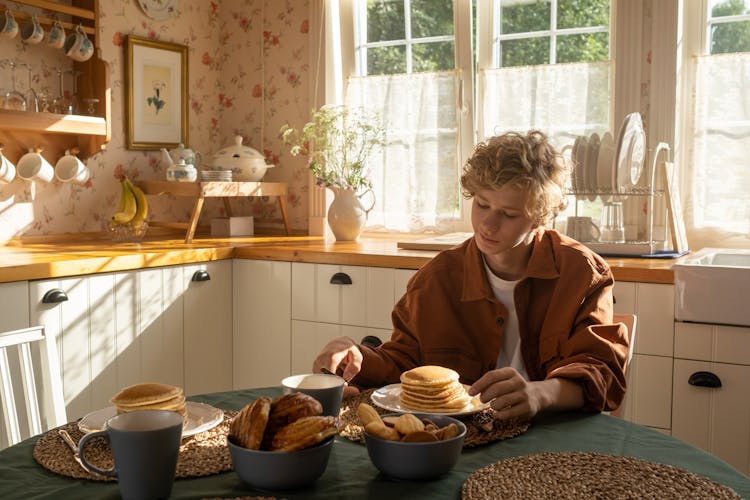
31	392
630	321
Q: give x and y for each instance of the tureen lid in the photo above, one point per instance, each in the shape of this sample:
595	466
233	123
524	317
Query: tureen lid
238	150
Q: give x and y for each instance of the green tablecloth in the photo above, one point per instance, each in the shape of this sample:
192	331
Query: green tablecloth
350	474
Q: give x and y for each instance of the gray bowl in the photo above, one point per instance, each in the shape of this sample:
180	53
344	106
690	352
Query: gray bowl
417	460
280	470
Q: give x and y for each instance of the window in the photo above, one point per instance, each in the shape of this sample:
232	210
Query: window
716	184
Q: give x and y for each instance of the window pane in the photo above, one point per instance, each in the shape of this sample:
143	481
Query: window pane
730	37
722	8
525	52
386	60
436	56
580	13
385	20
524	16
431	18
589	47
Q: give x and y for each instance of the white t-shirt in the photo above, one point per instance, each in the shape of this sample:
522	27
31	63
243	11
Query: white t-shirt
510	354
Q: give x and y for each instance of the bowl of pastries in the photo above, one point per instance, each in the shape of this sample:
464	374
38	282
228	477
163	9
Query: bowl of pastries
282	443
412	446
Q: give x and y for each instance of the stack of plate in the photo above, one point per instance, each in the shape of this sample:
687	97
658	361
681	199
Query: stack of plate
216	175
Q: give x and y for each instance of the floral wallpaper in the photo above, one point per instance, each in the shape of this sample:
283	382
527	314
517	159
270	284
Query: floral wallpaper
248	74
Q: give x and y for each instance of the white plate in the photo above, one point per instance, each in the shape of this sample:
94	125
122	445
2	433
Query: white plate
388	398
592	157
199	417
159	10
579	158
630	152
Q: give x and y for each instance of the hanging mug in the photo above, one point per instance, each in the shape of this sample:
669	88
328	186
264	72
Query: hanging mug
56	36
71	168
8	25
32	32
33	167
78	46
7	169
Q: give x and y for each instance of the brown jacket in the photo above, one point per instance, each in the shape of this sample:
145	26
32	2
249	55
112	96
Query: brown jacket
450	317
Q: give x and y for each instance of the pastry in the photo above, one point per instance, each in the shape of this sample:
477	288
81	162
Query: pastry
432	388
304	433
286	409
150	396
249	425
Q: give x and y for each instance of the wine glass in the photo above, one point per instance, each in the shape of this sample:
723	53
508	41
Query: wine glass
72	104
13	98
32	99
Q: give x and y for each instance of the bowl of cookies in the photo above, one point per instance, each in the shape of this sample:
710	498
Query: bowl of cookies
282	443
412	446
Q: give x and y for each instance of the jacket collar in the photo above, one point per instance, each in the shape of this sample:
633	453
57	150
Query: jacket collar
542	265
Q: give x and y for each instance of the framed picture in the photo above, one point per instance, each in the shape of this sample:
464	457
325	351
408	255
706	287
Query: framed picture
156	76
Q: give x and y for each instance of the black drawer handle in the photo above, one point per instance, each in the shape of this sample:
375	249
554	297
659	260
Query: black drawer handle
370	341
54	296
341	279
201	275
704	379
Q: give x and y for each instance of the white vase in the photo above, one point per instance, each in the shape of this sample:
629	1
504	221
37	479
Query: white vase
346	215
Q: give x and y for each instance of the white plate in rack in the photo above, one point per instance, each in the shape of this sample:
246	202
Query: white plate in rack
604	165
630	152
579	159
592	157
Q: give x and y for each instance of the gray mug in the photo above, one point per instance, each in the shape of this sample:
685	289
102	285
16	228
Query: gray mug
145	445
327	389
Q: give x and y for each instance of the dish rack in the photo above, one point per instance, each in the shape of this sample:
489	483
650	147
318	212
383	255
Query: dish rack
647	245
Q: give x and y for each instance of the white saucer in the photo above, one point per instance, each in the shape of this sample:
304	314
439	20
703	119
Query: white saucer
199	417
388	398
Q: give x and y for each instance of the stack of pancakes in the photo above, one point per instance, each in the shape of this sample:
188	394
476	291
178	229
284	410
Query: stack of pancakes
433	388
150	396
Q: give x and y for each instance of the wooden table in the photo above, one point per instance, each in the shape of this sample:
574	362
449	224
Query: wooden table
224	190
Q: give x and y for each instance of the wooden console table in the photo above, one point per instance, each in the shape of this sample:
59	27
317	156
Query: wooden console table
224	190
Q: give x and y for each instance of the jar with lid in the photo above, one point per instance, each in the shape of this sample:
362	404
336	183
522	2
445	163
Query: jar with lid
182	172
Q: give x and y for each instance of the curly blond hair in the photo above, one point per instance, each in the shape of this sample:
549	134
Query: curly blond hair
523	161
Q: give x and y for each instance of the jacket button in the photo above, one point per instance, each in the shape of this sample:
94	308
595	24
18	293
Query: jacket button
500	321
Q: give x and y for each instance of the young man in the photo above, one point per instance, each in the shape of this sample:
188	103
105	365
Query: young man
521	312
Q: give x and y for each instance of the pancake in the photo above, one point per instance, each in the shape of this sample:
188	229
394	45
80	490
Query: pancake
150	396
433	388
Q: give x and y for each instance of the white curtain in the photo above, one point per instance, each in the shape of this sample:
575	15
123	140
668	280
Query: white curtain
416	175
562	100
717	201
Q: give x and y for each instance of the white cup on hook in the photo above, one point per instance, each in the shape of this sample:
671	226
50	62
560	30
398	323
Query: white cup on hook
7	169
70	168
8	25
78	46
32	32
55	36
33	167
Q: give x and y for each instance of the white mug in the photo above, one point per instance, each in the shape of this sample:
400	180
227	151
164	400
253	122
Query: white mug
33	167
70	168
7	169
32	32
56	36
582	229
8	25
78	46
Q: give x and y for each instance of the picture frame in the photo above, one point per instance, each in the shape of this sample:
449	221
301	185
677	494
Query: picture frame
156	86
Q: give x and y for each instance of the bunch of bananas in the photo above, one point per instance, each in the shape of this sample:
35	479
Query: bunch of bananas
133	208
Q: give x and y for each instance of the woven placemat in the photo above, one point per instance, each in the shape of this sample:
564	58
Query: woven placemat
481	427
202	454
587	475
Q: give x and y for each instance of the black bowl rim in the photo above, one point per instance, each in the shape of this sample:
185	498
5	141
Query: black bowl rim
279	452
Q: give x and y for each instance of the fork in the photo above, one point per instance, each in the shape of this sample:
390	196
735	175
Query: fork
74	448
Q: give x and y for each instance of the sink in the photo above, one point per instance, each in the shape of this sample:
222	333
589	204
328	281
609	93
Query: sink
713	286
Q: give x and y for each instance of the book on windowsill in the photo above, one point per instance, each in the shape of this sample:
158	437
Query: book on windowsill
437	242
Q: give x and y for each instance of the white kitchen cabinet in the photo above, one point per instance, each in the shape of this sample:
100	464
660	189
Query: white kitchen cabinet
14	305
716	419
207	305
649	396
261	322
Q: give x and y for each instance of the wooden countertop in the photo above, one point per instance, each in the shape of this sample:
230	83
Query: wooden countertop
71	255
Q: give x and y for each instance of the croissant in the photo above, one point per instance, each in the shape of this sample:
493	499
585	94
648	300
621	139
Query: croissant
286	409
303	433
249	425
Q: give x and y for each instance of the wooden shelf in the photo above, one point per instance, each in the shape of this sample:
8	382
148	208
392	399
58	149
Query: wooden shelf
225	190
52	122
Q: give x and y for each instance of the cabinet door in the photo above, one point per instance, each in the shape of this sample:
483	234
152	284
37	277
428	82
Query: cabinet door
648	400
714	419
14	305
207	308
351	295
261	317
309	337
